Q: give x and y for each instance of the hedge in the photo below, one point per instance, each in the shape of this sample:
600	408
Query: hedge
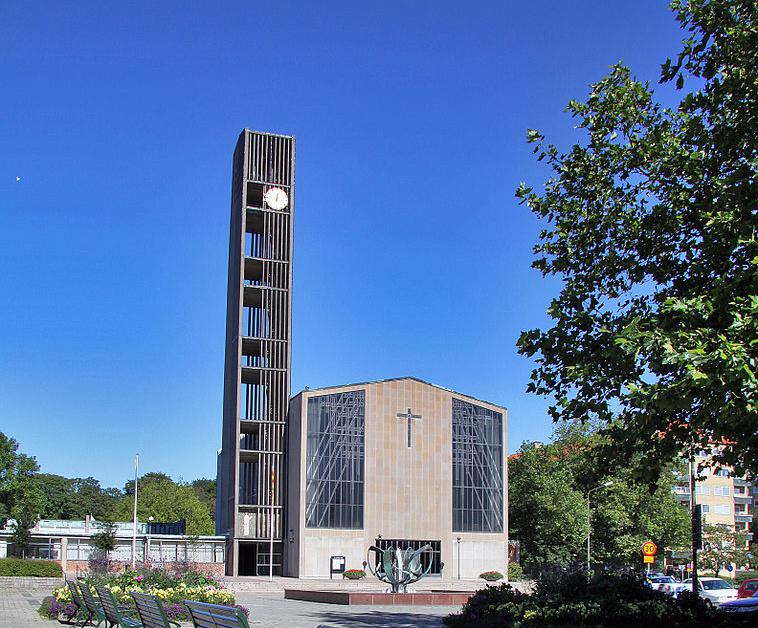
567	599
30	568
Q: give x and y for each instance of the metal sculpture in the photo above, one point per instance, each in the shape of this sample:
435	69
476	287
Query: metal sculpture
397	567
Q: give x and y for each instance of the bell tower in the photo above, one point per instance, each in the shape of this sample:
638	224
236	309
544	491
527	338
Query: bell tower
258	354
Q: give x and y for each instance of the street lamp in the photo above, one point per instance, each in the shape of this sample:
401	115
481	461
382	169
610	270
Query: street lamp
458	540
589	525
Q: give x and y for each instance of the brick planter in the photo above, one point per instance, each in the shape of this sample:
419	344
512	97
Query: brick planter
421	598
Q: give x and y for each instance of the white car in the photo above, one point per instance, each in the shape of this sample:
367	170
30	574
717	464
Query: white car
715	590
659	583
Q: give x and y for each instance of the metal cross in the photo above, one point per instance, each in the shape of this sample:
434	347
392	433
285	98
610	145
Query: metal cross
410	417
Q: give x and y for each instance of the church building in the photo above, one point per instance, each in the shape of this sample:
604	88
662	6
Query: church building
399	463
310	482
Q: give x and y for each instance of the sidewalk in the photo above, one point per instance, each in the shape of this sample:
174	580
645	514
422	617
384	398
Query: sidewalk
18	609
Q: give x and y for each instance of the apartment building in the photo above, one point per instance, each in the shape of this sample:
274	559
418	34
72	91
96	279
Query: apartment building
726	500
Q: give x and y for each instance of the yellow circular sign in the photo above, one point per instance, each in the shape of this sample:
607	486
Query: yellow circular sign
649	548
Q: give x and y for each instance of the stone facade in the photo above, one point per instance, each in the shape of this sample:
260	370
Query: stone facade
408	492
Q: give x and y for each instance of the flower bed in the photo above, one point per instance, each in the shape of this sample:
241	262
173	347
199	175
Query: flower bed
354	574
172	586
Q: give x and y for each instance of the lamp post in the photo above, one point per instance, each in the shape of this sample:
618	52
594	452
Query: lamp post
134	519
458	541
589	525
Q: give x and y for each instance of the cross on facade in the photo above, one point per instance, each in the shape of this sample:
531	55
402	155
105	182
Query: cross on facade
409	416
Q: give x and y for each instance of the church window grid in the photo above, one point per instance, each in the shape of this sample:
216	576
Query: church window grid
335	455
477	468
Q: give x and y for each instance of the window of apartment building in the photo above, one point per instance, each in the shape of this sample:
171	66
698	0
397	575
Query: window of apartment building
702	490
723	491
724	473
722	509
705	508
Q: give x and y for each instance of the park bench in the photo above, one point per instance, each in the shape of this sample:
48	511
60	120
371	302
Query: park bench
78	602
96	611
115	615
215	616
151	612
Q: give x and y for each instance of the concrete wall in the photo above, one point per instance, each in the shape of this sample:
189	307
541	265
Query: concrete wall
293	512
408	491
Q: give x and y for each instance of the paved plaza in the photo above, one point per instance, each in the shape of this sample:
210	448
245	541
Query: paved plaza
18	609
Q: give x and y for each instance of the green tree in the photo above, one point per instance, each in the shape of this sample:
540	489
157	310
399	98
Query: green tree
722	546
147	478
548	504
56	493
165	500
20	494
546	514
89	498
205	489
75	498
105	538
652	230
628	513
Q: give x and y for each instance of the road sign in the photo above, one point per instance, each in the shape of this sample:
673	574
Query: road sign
649	548
648	559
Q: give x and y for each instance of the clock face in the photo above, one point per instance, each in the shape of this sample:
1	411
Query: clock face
276	198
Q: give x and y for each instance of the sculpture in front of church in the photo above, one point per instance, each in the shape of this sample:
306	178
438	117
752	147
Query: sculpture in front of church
397	567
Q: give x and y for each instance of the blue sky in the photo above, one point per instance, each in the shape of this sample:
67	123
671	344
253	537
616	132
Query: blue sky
412	256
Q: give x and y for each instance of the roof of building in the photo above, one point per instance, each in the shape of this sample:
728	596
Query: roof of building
395	379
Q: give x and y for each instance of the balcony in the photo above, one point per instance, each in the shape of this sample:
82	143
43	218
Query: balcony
743	518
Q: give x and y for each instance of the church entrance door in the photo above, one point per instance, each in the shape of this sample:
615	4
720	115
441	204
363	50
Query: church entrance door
433	556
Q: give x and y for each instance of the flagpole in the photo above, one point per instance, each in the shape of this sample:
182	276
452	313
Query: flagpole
134	521
271	530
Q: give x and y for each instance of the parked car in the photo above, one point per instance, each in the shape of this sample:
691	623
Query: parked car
715	590
658	582
743	606
748	588
676	588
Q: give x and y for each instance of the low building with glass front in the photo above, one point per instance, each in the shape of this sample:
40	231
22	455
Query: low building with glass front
69	542
397	462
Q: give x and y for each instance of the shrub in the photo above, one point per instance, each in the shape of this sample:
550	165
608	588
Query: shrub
515	572
491	576
568	599
354	574
30	568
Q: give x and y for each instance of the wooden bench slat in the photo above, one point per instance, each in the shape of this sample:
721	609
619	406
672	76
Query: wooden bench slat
215	616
